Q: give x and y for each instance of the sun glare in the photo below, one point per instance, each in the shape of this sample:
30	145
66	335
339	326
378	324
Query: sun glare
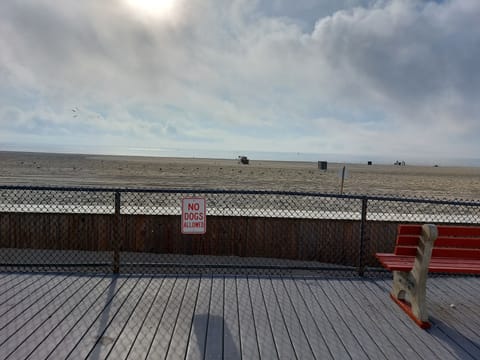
153	8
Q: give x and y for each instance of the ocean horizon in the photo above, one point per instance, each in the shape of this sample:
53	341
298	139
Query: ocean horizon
234	154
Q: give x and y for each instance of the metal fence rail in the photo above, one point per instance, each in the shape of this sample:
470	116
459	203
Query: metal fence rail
139	230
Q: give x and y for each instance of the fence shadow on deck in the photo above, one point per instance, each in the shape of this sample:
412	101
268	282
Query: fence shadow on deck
105	318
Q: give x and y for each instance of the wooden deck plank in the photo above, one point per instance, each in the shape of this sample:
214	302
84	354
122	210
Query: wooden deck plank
20	329
248	332
316	340
455	304
78	330
198	331
364	314
334	341
350	318
464	290
177	348
296	333
233	317
29	307
19	291
214	341
394	332
164	331
276	315
55	335
435	344
266	343
35	335
23	291
470	284
343	330
9	278
3	277
231	330
428	346
454	322
107	337
145	336
469	287
101	322
125	340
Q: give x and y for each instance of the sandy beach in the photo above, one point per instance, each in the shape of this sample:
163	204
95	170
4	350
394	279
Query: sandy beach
126	171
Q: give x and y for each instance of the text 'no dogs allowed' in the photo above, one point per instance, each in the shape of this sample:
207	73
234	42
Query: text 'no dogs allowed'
194	215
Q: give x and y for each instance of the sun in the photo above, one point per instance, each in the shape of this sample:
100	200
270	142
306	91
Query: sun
153	8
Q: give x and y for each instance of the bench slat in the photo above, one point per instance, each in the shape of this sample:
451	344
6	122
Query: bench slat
441	252
463	242
405	263
456	250
461	253
405	250
472	270
402	259
408	240
443	230
409	229
439	269
442	241
460	231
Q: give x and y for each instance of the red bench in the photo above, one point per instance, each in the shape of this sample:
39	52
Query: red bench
429	248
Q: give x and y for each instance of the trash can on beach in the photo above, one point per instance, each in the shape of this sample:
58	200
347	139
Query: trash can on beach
322	165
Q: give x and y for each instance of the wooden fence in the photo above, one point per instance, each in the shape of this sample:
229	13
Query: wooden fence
322	240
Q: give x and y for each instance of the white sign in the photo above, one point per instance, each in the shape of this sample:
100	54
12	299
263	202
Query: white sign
194	215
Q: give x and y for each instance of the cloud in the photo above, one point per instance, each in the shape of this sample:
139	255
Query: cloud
340	76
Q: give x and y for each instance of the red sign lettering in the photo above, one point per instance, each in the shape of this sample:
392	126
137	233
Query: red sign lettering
194	216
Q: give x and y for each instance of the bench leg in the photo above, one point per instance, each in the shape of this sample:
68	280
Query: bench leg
410	288
409	292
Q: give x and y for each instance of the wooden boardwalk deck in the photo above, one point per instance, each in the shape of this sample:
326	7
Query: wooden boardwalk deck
61	316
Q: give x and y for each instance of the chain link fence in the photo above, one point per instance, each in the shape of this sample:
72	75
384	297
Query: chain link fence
261	232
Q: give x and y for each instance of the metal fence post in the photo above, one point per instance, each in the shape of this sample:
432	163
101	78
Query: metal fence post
361	260
116	235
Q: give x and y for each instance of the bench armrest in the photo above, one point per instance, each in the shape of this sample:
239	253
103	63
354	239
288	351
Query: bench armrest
412	285
429	233
424	250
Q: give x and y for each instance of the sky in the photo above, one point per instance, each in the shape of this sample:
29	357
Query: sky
337	79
